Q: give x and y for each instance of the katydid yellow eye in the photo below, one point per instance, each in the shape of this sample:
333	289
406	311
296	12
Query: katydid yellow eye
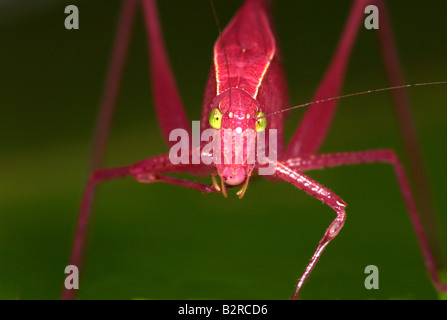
215	118
261	123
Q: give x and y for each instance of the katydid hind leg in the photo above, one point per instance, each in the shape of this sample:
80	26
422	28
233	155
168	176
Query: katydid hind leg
316	122
168	104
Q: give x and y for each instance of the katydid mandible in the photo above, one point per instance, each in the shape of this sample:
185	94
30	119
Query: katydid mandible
246	89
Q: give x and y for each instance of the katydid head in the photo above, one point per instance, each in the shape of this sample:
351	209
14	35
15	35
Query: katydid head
238	119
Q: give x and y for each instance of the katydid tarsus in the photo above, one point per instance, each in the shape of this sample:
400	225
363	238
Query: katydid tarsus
246	53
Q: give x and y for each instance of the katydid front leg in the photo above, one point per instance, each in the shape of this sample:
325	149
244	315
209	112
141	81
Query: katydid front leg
319	161
150	170
147	171
325	195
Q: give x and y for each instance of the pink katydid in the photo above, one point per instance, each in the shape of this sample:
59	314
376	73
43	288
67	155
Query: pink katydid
270	95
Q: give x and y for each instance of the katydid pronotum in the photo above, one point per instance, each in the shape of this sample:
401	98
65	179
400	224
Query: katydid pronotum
300	154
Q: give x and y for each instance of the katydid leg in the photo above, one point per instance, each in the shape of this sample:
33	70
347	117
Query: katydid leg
409	134
319	192
317	119
107	109
147	171
373	156
168	104
151	177
113	81
77	252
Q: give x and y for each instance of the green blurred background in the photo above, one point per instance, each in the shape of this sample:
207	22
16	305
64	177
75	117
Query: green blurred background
165	242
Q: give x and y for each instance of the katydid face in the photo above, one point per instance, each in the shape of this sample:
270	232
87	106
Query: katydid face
237	117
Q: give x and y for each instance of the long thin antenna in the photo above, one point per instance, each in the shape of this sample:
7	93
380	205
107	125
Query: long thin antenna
357	94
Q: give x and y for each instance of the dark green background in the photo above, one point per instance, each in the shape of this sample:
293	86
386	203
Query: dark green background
165	242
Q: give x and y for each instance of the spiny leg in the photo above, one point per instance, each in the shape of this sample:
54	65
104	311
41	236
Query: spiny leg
373	156
325	195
